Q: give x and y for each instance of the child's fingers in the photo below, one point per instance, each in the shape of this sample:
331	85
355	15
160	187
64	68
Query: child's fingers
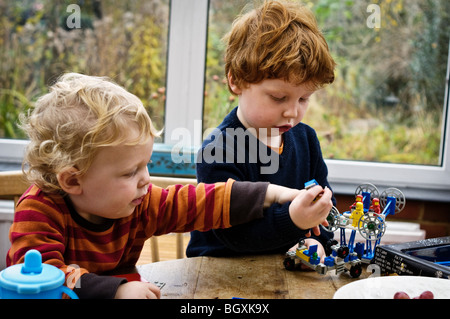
325	199
313	193
316	230
311	208
326	194
153	291
319	194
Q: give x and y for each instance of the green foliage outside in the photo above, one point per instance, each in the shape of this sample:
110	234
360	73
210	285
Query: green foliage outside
386	104
124	40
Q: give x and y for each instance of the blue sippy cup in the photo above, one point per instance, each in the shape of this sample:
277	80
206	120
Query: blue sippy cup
33	280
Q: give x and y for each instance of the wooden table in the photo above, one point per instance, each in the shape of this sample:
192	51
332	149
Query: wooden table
249	277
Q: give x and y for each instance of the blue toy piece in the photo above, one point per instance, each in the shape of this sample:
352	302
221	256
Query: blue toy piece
364	216
329	261
311	184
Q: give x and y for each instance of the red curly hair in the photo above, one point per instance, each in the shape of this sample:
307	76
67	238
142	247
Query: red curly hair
279	40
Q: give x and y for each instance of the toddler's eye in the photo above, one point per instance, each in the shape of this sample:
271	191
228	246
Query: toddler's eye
130	174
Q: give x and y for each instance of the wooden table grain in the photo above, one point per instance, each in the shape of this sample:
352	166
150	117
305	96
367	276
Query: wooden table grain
249	277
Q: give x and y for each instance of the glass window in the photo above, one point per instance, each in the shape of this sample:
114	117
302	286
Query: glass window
387	106
218	101
41	39
387	102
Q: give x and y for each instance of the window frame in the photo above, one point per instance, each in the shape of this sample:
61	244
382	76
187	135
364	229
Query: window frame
185	87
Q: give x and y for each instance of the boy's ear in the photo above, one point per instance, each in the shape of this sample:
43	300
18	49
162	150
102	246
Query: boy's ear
236	90
69	180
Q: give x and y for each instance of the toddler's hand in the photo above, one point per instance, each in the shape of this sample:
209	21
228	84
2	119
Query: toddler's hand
309	210
280	194
320	250
138	290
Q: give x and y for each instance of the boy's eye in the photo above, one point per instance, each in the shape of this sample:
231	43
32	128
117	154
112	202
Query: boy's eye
278	99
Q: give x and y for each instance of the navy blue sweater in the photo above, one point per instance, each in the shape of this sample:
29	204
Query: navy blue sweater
229	153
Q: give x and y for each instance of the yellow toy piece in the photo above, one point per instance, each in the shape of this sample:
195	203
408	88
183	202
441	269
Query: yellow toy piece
300	254
357	213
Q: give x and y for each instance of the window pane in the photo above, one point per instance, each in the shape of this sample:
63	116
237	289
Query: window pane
218	100
40	40
386	104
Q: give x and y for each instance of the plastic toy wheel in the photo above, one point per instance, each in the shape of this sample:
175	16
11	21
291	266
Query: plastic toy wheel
355	271
342	252
289	263
400	200
333	219
370	188
371	226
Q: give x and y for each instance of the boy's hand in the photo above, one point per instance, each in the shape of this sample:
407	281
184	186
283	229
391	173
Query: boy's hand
138	290
309	210
280	194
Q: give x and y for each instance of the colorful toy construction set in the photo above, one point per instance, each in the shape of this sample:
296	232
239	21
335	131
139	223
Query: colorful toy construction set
367	215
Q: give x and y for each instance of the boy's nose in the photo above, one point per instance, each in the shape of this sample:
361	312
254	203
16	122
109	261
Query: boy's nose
291	112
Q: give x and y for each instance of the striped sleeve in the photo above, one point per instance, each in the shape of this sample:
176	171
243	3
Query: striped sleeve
186	208
179	208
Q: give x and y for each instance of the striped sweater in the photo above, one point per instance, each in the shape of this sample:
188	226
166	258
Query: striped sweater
50	224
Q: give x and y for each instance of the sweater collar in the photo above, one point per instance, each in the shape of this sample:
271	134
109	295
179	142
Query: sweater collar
85	223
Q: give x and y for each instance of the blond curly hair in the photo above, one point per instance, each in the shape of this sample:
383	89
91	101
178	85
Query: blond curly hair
278	40
68	125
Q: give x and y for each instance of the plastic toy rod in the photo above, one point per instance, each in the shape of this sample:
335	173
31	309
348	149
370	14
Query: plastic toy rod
387	210
343	240
351	242
443	263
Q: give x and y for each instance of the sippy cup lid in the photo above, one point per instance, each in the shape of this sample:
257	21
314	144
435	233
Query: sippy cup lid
32	276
